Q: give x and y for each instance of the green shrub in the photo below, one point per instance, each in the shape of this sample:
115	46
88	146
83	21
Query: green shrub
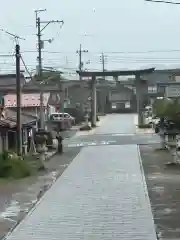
167	108
12	166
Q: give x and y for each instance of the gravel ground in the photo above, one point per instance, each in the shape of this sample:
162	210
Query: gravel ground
18	197
164	191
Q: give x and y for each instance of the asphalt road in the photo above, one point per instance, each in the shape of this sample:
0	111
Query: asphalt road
111	139
101	195
118	123
116	129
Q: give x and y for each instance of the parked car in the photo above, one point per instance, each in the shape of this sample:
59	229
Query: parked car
55	117
62	116
68	116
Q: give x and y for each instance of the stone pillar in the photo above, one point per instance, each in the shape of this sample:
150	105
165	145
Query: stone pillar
115	78
93	103
62	104
25	140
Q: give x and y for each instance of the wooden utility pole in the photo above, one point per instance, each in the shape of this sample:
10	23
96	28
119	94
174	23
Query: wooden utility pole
18	101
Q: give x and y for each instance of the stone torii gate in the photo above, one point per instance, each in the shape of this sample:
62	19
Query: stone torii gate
115	74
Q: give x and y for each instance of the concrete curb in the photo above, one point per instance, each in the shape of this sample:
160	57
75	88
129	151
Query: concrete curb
146	188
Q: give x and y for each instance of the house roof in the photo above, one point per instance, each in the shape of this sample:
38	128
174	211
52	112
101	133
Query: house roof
10	119
10	79
115	73
25	118
168	83
7	123
27	100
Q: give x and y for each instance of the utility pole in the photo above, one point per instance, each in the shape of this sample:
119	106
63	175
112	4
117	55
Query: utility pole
18	91
103	59
18	101
80	51
40	47
103	62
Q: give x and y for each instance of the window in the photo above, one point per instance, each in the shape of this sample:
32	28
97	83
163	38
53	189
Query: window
66	115
177	78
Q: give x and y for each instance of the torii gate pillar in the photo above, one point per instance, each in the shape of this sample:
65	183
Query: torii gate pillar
139	99
93	102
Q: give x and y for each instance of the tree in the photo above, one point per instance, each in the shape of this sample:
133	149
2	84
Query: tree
160	107
167	108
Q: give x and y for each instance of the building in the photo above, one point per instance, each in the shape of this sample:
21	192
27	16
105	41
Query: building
121	99
30	103
8	129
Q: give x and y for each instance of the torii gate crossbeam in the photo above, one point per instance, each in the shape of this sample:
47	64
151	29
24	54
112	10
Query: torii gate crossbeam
116	74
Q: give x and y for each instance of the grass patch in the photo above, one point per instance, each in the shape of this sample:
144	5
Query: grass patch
144	126
12	166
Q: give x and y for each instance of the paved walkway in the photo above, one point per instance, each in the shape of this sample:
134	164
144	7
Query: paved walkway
101	195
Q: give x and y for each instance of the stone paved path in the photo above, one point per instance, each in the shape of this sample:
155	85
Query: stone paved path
101	195
98	197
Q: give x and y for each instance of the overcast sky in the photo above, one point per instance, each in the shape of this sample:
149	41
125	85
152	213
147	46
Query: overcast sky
116	27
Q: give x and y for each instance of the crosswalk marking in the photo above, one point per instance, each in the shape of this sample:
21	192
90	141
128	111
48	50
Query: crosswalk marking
82	144
87	144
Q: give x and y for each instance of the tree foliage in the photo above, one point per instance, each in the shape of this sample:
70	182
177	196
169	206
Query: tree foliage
167	108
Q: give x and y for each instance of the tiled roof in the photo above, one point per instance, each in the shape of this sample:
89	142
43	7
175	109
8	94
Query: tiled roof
25	118
28	100
10	79
9	119
7	123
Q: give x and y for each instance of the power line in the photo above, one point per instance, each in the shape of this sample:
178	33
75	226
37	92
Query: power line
110	58
15	37
108	52
26	67
161	1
